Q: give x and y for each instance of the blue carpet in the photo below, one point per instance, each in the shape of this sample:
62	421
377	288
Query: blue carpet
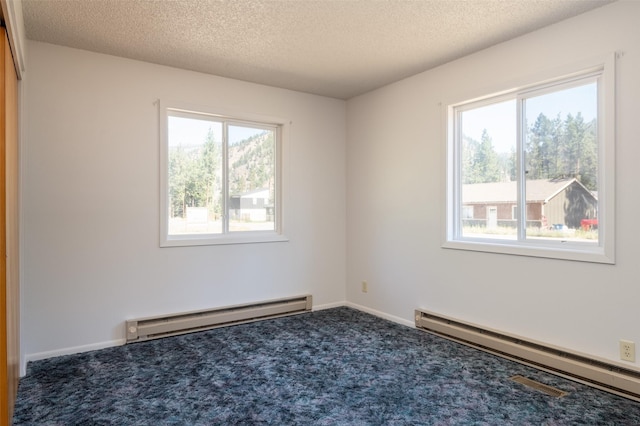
332	367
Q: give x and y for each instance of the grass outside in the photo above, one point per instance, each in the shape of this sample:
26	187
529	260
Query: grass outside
180	226
560	234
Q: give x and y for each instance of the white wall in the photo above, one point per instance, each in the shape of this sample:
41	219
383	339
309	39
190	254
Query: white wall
396	190
91	201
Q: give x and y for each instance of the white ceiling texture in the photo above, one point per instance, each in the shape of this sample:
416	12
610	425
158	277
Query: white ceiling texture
336	48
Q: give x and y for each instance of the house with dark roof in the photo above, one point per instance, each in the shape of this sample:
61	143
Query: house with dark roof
550	203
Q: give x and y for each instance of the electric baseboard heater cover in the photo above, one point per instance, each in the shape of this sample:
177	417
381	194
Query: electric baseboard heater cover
583	368
188	322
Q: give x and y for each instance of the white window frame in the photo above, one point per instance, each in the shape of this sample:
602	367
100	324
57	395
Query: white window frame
234	118
603	252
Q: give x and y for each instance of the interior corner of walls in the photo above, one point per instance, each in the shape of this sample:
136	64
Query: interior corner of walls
14	21
329	305
384	315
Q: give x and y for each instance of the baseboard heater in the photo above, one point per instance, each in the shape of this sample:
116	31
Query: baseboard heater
582	368
188	322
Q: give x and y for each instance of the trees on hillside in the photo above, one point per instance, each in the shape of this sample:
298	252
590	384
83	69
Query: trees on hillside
194	176
252	164
481	162
553	149
195	172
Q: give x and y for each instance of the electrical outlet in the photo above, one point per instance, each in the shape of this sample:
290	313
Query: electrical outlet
627	350
365	287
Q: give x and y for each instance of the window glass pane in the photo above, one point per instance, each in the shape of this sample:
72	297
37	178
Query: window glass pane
561	163
195	176
251	178
488	170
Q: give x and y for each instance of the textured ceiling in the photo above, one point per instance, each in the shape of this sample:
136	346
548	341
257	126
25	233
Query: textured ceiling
332	48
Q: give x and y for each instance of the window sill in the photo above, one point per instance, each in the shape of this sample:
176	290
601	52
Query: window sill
213	240
573	252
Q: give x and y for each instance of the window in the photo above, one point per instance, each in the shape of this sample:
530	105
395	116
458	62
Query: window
221	179
536	165
467	212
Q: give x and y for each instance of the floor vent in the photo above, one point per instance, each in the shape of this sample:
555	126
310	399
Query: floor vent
549	390
188	322
599	373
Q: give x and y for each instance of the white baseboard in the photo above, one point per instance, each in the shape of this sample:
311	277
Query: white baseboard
67	351
329	306
380	314
373	312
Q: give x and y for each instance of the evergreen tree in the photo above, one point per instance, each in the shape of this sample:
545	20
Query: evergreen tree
557	149
177	180
487	160
554	149
469	170
537	148
211	165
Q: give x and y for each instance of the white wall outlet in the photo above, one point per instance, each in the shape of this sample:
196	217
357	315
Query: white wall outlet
627	350
365	287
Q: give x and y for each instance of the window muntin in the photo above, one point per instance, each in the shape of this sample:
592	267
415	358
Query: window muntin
220	179
501	152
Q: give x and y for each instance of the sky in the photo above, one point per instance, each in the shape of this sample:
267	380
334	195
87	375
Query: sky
192	131
499	119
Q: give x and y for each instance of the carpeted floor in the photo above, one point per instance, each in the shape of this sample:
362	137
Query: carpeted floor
332	367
